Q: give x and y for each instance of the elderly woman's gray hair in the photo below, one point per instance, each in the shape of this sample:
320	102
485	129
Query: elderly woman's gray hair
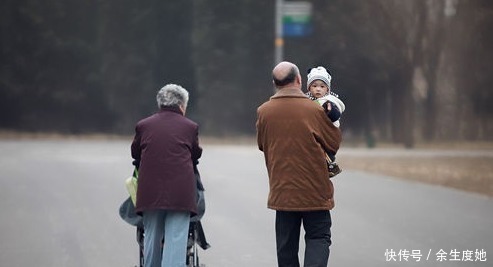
172	95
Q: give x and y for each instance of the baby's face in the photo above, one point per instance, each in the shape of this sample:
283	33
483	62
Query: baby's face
318	88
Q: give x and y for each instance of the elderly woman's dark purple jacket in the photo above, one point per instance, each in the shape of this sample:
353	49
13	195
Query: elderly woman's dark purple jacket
164	149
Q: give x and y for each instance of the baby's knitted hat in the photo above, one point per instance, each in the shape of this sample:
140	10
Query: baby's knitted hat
318	73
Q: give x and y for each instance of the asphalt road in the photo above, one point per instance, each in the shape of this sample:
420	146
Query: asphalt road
60	200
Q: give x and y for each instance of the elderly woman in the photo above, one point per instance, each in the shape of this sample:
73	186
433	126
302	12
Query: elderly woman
164	149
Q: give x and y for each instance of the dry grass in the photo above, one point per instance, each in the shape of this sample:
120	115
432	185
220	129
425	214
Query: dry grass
474	174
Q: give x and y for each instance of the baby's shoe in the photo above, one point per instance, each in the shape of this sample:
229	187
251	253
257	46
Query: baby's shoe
334	169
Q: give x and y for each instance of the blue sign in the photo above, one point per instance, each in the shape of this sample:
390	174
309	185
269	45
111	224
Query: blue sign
296	29
296	18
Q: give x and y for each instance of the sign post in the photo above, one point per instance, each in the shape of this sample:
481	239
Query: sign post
292	19
279	41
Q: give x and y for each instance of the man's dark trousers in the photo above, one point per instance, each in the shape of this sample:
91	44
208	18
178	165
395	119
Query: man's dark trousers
317	237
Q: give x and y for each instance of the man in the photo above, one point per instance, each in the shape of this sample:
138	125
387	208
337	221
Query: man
294	133
164	149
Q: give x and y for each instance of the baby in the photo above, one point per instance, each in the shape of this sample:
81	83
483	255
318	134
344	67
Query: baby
318	85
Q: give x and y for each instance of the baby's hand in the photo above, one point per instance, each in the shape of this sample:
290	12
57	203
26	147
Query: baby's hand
327	106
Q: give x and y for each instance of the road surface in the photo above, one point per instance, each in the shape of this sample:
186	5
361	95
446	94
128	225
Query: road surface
60	200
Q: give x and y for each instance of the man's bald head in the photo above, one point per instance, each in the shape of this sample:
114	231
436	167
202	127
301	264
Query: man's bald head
285	73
